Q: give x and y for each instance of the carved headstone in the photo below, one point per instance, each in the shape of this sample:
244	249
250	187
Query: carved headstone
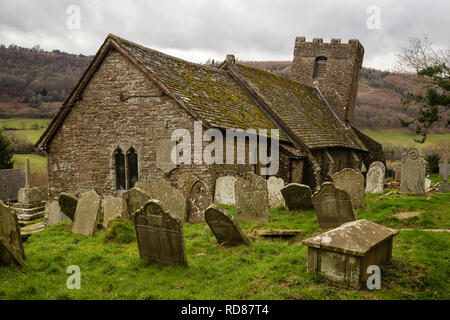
413	172
222	224
11	248
53	213
375	177
297	196
164	146
86	214
224	191
112	208
333	207
252	203
274	186
352	182
159	235
132	200
68	204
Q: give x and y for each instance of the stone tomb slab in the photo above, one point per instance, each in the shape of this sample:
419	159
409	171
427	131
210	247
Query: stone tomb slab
343	254
11	247
252	203
68	204
86	214
352	182
333	207
375	177
223	226
159	235
297	196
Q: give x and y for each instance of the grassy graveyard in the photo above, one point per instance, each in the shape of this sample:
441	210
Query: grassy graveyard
269	269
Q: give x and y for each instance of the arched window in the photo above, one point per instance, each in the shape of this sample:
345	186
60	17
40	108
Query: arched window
132	160
320	67
120	169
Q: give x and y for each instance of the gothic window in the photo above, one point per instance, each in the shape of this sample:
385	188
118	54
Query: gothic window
120	169
320	67
132	160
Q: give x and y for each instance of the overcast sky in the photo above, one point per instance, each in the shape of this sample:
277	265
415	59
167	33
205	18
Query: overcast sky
200	29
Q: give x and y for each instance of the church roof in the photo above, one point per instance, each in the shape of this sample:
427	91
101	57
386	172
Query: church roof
230	97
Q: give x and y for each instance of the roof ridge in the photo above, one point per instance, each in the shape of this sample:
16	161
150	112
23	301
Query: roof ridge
115	37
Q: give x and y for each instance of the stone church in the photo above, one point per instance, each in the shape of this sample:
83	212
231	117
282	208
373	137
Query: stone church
114	128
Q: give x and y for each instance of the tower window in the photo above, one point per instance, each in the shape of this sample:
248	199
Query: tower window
120	169
132	160
320	67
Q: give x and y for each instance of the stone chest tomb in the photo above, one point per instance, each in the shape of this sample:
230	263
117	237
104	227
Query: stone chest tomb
343	254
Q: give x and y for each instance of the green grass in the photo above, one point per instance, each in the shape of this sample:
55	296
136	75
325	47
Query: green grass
37	163
407	140
25	127
268	269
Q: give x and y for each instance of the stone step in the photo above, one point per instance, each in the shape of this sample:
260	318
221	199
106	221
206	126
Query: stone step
30	217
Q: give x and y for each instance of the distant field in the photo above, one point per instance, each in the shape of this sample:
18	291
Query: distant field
407	140
25	127
37	163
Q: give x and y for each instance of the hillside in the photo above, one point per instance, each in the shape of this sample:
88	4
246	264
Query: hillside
34	83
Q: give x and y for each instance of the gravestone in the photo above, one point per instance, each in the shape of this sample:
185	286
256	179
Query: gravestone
197	195
297	196
224	191
375	177
252	203
112	208
11	248
343	254
352	182
443	171
398	174
11	180
132	200
413	172
86	214
53	213
159	235
68	204
427	184
274	186
333	206
223	226
172	199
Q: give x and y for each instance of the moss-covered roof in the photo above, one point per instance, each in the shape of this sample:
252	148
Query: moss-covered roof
208	92
300	108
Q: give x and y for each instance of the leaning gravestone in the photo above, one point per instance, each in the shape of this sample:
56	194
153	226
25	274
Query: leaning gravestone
159	235
112	208
252	203
297	196
333	207
375	177
274	186
68	204
222	224
413	172
224	191
11	248
86	214
53	213
132	200
352	182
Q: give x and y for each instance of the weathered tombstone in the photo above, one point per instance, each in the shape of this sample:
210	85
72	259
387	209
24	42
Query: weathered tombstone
252	203
297	196
112	208
224	191
159	235
375	177
11	181
223	226
53	213
413	172
86	214
343	254
443	171
352	182
172	199
274	186
68	204
197	195
333	206
11	248
132	200
147	187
